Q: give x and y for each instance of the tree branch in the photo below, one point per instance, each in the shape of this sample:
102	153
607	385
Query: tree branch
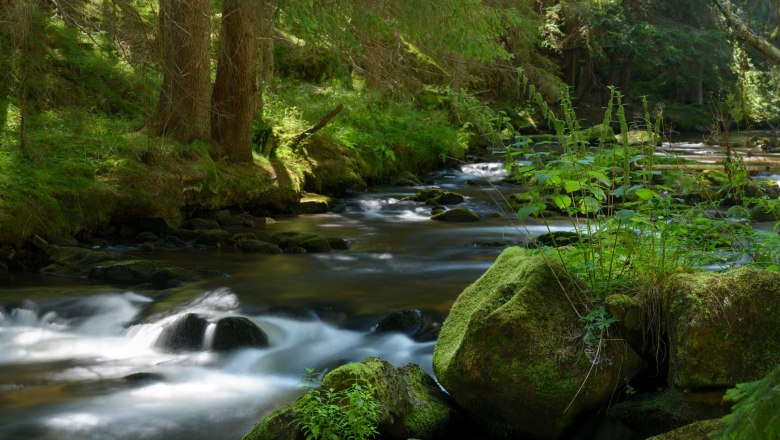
316	127
744	33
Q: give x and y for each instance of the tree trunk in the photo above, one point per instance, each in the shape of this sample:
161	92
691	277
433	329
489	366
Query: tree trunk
183	109
744	33
265	49
234	100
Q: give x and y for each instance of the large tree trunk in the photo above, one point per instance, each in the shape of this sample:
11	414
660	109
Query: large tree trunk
183	109
234	100
744	33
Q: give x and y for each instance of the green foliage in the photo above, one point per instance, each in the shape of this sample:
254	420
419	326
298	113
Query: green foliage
389	135
327	414
756	413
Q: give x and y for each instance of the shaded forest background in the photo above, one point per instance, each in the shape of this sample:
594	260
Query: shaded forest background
91	90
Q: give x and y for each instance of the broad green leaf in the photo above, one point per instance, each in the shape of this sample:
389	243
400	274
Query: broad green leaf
601	177
562	202
589	205
625	215
527	211
646	194
572	185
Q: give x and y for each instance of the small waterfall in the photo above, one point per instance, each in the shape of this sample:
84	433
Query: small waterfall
208	336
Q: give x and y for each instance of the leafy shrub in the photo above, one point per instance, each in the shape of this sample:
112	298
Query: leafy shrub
756	413
348	414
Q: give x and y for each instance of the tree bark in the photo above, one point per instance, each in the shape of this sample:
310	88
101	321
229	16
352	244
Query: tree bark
744	33
235	96
265	49
183	109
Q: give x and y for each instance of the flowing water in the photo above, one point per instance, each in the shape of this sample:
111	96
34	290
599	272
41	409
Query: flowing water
79	361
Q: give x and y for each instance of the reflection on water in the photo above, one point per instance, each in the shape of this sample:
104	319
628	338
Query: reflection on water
65	346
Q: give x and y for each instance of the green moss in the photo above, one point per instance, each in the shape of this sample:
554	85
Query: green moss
724	328
506	351
698	430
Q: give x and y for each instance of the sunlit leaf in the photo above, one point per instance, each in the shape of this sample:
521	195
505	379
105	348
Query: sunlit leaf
562	202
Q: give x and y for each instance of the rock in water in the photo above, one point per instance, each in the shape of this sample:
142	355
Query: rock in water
411	404
238	332
457	215
184	334
512	353
404	321
724	328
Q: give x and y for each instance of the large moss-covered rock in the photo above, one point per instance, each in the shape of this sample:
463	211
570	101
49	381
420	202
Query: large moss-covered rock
512	353
695	431
411	404
724	328
663	411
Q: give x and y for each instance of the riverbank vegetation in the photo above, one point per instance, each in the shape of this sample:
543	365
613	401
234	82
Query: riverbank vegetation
125	112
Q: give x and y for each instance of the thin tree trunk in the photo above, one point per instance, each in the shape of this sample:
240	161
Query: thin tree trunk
265	49
744	33
234	99
183	109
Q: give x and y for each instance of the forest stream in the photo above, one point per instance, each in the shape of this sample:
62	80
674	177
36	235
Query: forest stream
79	361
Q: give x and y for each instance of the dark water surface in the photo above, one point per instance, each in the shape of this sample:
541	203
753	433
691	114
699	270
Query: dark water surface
65	345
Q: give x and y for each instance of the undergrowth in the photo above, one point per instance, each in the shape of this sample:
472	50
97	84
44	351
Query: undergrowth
348	414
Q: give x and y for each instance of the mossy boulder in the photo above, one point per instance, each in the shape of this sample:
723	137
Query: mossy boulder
511	350
125	271
407	178
314	204
658	412
309	241
75	261
437	197
724	328
411	403
558	238
458	215
695	431
638	137
597	132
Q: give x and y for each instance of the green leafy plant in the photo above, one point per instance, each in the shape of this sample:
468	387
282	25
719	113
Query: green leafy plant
756	413
328	414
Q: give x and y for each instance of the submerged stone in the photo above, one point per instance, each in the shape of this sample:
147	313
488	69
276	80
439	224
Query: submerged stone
512	350
309	241
461	215
724	328
259	247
